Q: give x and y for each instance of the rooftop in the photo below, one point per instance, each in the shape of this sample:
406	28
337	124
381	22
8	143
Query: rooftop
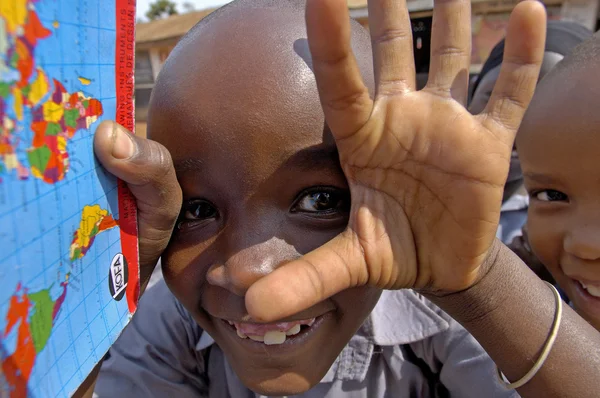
168	28
177	25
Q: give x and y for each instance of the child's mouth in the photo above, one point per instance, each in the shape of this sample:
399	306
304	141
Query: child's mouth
591	290
272	333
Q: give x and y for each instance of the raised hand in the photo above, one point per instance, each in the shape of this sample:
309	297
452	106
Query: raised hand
426	177
147	169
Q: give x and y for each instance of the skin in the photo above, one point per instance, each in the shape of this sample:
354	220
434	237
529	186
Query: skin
564	215
426	179
482	95
249	165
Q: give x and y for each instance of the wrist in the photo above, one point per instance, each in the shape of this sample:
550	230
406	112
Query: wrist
488	293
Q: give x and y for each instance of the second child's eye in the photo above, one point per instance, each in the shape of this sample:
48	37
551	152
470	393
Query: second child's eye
322	200
197	210
550	195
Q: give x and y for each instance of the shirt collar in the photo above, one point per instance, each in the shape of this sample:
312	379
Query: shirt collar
204	342
404	317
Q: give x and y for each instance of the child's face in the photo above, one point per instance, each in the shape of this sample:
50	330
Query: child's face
262	185
559	147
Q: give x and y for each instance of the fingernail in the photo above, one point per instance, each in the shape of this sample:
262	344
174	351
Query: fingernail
123	146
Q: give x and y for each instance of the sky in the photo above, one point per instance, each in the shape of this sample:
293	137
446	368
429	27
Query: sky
144	5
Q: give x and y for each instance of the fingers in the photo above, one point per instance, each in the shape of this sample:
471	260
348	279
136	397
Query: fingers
391	34
523	57
147	169
344	96
450	49
307	281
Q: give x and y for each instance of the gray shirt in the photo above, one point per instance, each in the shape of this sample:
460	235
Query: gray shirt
513	216
406	348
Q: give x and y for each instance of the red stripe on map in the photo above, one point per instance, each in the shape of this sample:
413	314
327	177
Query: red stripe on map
125	116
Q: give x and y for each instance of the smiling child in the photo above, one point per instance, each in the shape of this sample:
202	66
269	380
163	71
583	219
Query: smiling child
333	216
559	146
238	109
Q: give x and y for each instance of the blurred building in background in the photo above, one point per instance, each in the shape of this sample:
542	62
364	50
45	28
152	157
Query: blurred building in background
153	43
156	39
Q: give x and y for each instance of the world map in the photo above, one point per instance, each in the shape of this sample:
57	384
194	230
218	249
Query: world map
59	210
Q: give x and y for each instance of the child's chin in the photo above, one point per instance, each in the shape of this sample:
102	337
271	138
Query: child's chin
283	379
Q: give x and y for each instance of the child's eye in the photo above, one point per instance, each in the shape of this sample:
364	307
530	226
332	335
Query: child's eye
550	195
322	200
197	210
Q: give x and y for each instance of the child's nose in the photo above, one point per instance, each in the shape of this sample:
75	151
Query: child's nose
583	242
248	264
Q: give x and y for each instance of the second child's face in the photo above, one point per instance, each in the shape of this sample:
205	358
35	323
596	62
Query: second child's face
559	147
262	185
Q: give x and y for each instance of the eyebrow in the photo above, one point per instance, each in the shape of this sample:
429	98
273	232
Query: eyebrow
308	159
540	178
188	165
316	157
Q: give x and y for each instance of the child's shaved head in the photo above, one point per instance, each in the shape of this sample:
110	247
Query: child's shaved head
585	55
237	106
575	81
250	40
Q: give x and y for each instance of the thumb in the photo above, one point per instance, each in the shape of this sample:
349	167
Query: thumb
302	283
147	169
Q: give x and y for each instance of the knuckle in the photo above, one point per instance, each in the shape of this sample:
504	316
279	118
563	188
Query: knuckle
347	101
439	89
450	51
164	162
157	163
506	108
389	88
392	35
330	60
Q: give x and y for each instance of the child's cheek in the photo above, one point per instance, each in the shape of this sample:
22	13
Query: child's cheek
545	240
183	272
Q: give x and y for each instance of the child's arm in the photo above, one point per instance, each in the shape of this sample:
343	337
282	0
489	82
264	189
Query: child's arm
426	179
510	312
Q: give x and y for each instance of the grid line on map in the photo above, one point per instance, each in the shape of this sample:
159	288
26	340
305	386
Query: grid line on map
79	207
43	203
38	197
77	64
93	194
106	337
77	25
95	287
67	316
62	221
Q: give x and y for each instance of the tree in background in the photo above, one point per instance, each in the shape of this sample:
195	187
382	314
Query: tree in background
188	7
161	9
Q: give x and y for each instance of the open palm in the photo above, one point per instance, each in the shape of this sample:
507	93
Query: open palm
426	177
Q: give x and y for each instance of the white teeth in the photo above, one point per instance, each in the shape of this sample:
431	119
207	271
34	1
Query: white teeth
583	285
256	338
593	290
293	331
229	322
274	337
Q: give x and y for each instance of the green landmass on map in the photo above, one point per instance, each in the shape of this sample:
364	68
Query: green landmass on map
41	319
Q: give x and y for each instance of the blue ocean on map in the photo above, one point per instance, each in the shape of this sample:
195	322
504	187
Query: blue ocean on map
59	219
